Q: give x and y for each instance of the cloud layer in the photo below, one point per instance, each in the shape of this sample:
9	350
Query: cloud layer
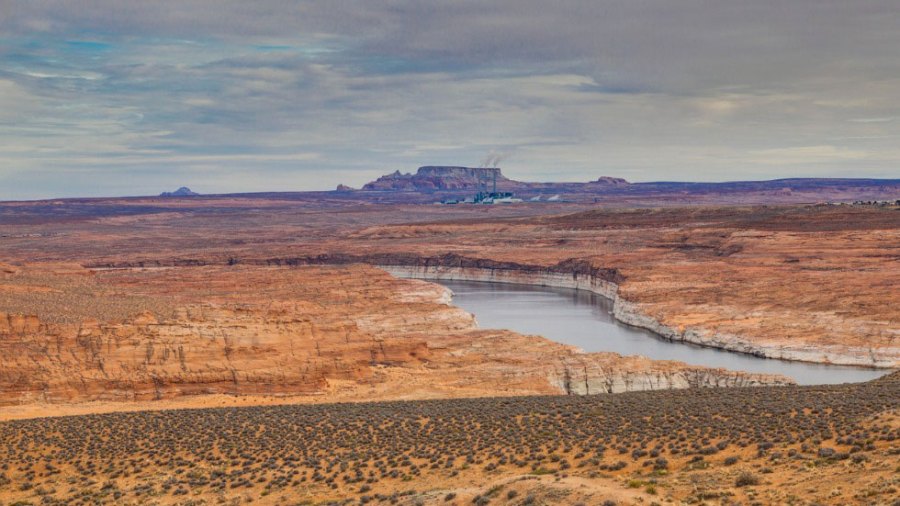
113	98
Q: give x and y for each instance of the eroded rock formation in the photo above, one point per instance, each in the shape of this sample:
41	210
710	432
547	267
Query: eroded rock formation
336	332
432	178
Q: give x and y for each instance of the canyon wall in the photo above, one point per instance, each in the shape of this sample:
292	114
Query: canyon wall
319	333
283	349
583	274
633	314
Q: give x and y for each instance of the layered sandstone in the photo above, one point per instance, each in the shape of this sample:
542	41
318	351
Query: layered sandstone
804	282
637	315
342	332
809	284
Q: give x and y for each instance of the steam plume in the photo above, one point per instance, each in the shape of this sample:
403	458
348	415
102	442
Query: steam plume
493	159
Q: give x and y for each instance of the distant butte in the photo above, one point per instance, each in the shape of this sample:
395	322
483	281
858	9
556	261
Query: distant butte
448	178
460	182
611	181
184	191
430	178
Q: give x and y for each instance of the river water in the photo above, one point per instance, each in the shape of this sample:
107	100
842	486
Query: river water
584	319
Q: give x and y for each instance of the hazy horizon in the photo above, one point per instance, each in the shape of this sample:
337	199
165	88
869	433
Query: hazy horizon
104	98
200	188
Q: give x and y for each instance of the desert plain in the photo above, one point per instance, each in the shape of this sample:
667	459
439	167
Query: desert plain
269	349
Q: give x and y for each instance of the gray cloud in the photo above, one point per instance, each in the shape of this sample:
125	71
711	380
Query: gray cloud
135	97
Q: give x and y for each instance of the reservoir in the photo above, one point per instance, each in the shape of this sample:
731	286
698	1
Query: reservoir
584	319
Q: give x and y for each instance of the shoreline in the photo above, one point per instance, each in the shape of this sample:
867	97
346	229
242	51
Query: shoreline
629	313
573	274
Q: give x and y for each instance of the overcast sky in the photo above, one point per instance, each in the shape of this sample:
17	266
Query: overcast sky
136	97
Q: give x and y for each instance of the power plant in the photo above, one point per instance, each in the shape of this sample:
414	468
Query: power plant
493	196
483	196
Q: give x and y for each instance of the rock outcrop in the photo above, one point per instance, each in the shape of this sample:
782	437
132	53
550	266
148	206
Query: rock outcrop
184	191
460	181
292	343
431	178
807	282
332	332
611	181
471	179
577	275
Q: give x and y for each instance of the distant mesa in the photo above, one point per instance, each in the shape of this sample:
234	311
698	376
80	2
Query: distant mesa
184	191
611	181
344	188
470	179
430	178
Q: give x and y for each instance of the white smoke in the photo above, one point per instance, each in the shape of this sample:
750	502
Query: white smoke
493	159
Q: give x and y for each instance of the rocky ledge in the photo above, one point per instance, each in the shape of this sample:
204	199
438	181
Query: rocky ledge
571	273
581	275
324	333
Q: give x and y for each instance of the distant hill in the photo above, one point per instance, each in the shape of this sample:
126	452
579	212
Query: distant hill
430	178
452	182
449	178
184	191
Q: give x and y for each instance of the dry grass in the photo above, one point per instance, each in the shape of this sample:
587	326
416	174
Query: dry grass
400	452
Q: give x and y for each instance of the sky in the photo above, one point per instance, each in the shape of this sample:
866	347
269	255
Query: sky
107	98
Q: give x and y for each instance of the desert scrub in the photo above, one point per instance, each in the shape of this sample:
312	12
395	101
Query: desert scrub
746	479
345	450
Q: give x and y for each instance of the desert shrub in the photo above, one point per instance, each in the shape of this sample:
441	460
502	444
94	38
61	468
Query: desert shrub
746	479
825	452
